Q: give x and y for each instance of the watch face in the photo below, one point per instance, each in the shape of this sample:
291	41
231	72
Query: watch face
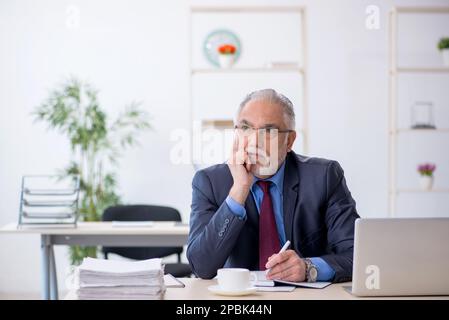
313	273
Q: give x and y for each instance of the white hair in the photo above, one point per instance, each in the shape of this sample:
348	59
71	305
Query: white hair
273	97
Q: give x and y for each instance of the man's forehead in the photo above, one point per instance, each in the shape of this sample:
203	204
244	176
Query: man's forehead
260	110
262	106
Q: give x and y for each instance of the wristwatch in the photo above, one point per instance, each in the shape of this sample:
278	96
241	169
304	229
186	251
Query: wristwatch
311	271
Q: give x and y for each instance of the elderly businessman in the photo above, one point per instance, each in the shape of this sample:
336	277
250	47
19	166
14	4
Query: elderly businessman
243	211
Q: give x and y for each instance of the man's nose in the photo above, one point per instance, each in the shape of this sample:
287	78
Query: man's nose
257	138
253	139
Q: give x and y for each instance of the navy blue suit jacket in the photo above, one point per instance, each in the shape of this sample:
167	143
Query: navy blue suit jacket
319	216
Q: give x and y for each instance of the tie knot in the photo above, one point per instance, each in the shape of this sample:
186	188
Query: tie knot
264	185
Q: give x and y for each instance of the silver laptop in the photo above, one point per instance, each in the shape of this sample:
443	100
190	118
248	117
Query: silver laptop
401	257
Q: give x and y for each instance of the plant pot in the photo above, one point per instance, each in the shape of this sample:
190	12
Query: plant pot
445	54
226	60
426	182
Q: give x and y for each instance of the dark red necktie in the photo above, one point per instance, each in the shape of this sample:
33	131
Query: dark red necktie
268	234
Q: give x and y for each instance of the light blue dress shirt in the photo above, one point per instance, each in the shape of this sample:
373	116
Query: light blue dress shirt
325	272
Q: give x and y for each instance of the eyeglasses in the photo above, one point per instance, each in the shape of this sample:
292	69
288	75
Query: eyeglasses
269	131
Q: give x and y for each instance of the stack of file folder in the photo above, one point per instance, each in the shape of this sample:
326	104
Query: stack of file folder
49	200
99	279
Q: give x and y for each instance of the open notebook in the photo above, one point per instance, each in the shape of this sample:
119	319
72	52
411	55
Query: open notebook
262	281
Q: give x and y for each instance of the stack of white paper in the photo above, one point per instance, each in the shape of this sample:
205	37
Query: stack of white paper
111	279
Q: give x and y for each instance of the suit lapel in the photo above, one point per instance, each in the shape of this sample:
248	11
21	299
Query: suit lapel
290	197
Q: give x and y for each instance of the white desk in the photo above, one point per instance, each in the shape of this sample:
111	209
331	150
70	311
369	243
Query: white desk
196	289
96	234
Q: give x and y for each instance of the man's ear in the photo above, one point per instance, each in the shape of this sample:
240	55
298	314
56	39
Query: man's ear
290	140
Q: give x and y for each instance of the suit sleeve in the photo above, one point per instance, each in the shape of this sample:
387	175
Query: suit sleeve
340	219
214	229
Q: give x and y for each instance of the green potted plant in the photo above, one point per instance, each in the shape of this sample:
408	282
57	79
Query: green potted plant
443	46
96	143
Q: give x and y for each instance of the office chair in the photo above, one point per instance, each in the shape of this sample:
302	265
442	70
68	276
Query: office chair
147	213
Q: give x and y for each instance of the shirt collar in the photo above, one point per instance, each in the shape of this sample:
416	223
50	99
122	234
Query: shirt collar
277	179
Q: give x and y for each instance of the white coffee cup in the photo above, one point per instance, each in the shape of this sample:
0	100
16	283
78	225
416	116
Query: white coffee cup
234	279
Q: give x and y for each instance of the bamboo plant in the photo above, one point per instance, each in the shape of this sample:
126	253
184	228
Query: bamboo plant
96	145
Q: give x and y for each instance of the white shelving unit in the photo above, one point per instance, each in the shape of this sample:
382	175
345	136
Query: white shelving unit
394	131
247	70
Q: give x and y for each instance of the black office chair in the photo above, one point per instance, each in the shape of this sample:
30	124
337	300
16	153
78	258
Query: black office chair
147	213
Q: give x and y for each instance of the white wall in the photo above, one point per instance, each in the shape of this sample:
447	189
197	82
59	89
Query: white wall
137	50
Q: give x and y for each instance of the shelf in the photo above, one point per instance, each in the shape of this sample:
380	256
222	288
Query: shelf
247	70
442	130
420	70
437	190
218	123
442	10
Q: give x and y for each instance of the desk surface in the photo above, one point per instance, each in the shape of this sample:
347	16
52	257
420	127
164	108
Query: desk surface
101	228
196	289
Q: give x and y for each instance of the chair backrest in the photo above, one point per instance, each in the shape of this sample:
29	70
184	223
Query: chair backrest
142	213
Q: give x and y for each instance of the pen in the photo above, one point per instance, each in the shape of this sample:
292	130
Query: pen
284	247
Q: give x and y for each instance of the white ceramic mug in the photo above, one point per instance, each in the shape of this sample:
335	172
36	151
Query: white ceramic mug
234	279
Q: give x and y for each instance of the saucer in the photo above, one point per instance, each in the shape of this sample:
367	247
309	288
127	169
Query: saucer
217	290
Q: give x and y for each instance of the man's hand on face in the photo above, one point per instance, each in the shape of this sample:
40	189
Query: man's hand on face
286	266
240	166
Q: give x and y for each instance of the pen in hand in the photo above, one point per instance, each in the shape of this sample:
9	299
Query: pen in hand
283	249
